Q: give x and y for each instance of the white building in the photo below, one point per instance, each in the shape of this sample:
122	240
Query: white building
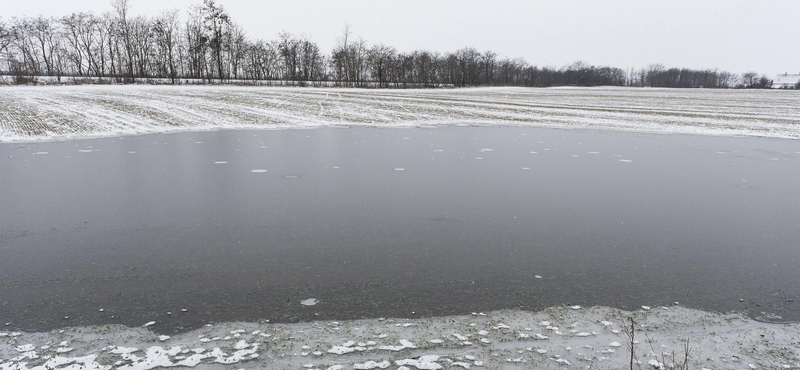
786	81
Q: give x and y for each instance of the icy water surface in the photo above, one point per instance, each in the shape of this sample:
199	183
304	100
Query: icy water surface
300	225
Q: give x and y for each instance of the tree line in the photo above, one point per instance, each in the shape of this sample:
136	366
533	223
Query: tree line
208	46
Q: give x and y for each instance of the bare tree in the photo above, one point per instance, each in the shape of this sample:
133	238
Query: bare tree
726	79
80	30
235	46
141	41
165	30
28	57
341	54
43	32
749	79
262	60
488	60
217	23
349	59
122	7
105	28
5	36
288	46
380	56
196	43
311	61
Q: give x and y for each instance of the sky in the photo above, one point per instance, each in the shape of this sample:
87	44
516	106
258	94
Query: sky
733	35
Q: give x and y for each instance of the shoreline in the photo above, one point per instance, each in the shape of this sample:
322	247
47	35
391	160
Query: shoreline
555	337
425	126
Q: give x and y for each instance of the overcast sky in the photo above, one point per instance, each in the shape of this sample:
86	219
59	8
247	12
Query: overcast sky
735	35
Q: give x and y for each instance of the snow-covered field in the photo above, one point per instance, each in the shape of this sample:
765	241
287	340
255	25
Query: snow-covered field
69	112
560	337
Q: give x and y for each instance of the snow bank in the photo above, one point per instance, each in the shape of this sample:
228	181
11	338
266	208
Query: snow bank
556	337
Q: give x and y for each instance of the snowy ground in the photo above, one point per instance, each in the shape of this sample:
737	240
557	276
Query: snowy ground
68	112
560	337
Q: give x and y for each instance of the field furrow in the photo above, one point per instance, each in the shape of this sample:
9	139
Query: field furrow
69	112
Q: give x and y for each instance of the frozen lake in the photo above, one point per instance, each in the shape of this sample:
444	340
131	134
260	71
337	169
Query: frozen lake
244	225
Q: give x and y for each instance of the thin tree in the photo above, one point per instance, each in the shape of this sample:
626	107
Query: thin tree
165	28
122	7
216	21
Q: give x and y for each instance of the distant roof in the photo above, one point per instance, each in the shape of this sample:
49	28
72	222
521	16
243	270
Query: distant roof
787	78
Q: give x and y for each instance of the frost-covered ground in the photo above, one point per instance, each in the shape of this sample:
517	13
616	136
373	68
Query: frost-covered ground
67	112
560	337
